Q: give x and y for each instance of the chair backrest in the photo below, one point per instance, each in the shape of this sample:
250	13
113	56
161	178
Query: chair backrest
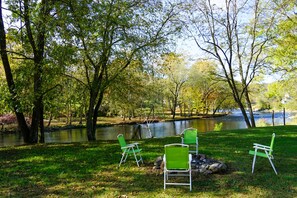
177	156
121	140
271	144
190	135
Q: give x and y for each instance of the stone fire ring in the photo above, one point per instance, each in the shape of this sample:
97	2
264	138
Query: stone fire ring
200	164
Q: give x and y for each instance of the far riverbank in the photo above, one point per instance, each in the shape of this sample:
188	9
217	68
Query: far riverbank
75	123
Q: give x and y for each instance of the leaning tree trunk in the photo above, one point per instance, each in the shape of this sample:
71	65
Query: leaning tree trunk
239	102
245	116
10	82
249	104
96	110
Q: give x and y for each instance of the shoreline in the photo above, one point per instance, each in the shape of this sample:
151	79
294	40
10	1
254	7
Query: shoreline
105	122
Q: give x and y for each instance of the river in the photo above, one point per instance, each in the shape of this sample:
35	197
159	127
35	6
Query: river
160	129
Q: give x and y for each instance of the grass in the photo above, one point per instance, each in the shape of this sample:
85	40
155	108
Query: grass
90	169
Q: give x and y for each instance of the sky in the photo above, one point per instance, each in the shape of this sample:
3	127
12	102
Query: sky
188	47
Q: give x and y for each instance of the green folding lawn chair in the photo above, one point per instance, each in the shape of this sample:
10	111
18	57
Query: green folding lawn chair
189	137
129	149
263	151
177	162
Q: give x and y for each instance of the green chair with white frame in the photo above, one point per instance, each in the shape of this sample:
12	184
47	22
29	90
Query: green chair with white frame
263	151
190	137
128	149
177	162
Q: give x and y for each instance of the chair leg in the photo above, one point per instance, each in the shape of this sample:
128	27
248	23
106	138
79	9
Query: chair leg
254	161
140	159
190	175
196	149
272	165
122	159
165	177
136	159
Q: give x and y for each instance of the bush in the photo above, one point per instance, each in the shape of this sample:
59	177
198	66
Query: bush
218	126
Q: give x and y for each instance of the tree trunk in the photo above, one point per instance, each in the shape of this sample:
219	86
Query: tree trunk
38	108
245	116
237	99
41	125
174	109
10	82
90	125
34	125
249	104
37	45
95	115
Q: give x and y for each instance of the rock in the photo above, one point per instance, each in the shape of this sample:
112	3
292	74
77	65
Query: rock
201	156
207	172
200	164
206	165
158	162
223	167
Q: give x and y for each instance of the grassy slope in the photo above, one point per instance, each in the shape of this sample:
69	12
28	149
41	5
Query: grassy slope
90	169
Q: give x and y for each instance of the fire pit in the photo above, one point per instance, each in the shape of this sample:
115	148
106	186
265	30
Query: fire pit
200	164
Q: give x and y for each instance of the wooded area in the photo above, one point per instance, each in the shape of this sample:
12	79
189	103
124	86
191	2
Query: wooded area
88	58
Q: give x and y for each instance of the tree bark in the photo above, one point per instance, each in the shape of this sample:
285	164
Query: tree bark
10	82
249	104
37	46
90	114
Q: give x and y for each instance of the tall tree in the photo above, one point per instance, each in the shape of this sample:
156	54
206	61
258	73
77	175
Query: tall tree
232	34
30	24
109	35
173	67
10	81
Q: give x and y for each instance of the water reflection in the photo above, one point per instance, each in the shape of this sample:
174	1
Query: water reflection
11	139
161	129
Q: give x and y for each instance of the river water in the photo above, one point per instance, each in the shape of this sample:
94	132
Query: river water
161	129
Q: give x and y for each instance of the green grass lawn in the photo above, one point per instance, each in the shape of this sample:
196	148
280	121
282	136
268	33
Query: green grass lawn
90	169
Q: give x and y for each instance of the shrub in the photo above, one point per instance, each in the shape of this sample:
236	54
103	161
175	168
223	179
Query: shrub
218	126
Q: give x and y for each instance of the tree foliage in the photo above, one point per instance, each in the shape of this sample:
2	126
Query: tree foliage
283	54
109	36
173	68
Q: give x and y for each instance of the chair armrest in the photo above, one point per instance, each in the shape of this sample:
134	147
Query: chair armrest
133	144
261	145
129	146
266	148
